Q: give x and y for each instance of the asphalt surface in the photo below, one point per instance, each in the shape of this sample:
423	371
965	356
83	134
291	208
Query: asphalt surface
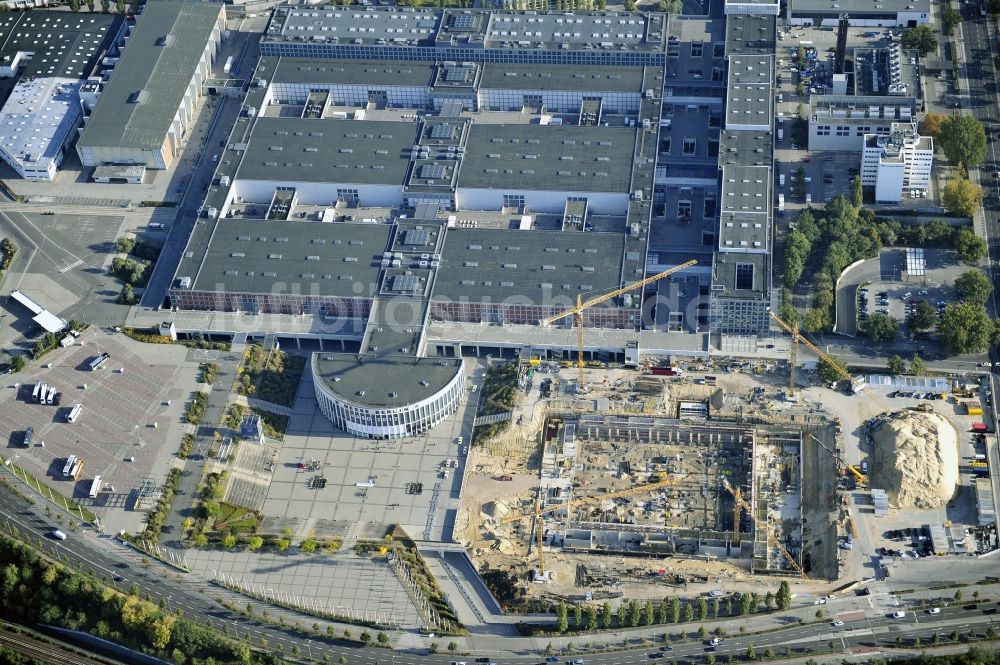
106	559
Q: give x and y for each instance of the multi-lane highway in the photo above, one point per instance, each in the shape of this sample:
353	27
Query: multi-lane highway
106	559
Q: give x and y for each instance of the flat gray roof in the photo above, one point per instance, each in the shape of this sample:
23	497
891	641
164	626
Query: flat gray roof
747	231
347	25
745	205
254	256
741	275
562	77
363	72
751	34
749	105
603	29
389	381
328	150
64	44
745	148
139	103
542	157
535	266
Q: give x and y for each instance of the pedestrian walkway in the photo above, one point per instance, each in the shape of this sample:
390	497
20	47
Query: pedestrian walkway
183	506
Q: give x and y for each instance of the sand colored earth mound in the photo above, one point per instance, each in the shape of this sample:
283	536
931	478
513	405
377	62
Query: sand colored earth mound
915	459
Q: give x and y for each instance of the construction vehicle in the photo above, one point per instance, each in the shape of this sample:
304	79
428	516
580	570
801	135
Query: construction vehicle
858	476
742	503
577	311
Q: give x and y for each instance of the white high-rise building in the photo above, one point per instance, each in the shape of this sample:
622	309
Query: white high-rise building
897	162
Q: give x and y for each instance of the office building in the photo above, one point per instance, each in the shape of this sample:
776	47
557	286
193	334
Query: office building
145	110
897	163
882	14
48	53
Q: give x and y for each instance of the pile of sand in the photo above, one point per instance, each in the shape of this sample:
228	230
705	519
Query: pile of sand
915	459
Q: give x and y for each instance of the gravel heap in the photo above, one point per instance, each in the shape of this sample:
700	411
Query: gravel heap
915	459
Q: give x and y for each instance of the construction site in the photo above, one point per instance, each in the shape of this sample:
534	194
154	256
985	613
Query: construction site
655	478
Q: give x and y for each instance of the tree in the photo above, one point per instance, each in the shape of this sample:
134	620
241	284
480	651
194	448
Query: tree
744	604
924	316
880	327
965	327
17	363
702	608
970	247
606	615
769	600
688	611
120	6
675	610
127	296
931	124
670	6
622	609
815	320
381	638
857	192
577	616
562	620
452	646
90	5
715	607
962	197
650	616
784	597
751	652
974	287
702	632
921	38
106	6
125	245
829	369
820	614
308	546
895	365
592	617
229	541
74	5
917	366
710	659
950	19
962	139
630	5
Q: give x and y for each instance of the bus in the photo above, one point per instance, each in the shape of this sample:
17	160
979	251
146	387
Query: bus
51	397
77	469
228	67
98	362
26	441
70	461
42	393
34	393
95	487
74	413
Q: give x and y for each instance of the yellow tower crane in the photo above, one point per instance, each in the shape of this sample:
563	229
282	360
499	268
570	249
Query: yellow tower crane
742	503
798	337
577	311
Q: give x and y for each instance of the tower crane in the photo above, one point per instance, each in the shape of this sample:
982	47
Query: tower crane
577	311
742	502
798	337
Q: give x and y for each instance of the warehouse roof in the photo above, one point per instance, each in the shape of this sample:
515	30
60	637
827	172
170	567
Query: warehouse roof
751	34
606	30
745	148
390	381
544	157
253	256
139	103
64	44
366	72
562	77
37	118
538	266
741	275
369	25
328	150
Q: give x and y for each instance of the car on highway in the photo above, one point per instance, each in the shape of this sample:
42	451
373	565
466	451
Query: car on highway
898	614
934	610
577	662
715	641
58	535
667	647
838	623
552	659
655	655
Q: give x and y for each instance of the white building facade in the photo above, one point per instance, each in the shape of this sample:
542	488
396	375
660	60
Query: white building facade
387	422
897	162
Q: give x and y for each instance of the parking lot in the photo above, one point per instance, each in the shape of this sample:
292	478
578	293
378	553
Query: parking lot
385	482
128	428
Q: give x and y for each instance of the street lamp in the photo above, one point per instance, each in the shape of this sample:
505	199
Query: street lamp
309	646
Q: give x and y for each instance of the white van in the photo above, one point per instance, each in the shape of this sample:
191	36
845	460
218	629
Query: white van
58	535
809	199
74	413
781	180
